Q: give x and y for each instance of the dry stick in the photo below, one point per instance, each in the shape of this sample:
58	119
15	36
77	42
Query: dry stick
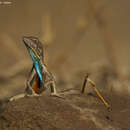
97	92
95	89
84	83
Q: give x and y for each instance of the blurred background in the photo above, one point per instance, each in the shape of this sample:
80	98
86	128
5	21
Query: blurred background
78	36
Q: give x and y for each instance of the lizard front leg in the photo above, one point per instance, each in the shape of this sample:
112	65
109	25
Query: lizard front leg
31	77
51	82
52	86
28	91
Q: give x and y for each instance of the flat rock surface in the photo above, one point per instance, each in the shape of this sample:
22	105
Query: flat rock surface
42	113
74	112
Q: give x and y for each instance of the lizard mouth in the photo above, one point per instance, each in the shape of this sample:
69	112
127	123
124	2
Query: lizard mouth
26	41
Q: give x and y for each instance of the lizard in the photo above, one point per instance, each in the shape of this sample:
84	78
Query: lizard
39	77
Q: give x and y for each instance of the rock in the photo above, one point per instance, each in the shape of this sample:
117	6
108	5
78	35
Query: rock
43	113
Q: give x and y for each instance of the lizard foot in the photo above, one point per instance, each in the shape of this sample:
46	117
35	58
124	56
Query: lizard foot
33	95
56	95
17	97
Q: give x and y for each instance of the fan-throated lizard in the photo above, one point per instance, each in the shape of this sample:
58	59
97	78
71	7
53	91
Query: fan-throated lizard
39	77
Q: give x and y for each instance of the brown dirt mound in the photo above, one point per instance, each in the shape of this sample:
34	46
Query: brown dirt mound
75	112
42	113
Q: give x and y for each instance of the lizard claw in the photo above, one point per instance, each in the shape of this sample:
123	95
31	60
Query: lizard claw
57	95
33	95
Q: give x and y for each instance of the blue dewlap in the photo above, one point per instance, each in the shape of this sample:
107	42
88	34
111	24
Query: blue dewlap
37	65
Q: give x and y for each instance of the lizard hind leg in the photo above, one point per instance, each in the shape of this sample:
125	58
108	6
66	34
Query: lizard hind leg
53	90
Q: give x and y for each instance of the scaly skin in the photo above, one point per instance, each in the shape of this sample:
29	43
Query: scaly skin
39	77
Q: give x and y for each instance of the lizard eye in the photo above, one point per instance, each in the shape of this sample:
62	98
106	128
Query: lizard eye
34	45
36	40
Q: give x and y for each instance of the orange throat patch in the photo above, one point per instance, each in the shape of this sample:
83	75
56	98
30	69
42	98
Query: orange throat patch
35	85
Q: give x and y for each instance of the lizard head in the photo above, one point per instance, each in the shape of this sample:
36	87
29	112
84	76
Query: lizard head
33	44
35	50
